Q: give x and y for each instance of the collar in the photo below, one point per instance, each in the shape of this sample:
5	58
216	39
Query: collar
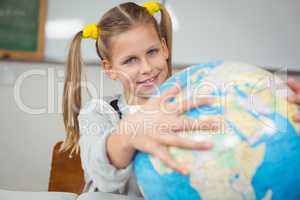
124	107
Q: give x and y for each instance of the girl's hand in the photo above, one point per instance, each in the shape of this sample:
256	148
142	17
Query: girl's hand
154	127
295	87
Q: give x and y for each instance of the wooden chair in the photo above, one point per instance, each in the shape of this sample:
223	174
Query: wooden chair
66	174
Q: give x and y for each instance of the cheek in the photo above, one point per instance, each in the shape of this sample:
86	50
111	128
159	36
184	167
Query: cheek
159	60
127	77
162	64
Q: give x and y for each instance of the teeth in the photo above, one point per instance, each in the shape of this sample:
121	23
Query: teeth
148	81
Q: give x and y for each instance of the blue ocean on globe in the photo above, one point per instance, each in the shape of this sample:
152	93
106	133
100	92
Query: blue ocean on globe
256	153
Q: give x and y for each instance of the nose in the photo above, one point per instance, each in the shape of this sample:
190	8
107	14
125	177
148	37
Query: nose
146	66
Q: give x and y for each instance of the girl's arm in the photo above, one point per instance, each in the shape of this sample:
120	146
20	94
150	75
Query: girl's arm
95	124
119	152
153	129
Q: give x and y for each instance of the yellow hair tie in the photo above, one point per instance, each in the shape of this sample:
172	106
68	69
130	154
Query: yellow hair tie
91	31
152	7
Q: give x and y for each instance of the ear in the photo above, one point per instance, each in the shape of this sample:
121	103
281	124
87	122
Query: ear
107	67
165	48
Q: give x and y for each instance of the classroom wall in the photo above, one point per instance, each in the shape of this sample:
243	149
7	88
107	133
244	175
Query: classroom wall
27	138
261	32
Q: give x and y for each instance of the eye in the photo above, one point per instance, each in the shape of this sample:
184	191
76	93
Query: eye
152	52
130	61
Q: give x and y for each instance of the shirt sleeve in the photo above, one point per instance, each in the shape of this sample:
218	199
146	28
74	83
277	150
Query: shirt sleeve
95	126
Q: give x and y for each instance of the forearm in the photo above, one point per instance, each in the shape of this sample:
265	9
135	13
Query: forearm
118	149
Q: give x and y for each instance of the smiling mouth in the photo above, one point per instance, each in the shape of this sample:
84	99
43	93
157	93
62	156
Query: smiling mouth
149	80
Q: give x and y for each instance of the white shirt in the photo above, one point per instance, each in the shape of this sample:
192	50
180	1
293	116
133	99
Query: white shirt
97	119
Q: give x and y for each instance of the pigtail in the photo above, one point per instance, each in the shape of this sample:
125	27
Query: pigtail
115	21
72	95
166	32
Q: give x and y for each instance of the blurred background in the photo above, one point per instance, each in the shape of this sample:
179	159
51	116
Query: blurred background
261	32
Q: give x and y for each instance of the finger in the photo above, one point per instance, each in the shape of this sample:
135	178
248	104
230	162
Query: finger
171	92
294	99
291	99
173	140
296	117
194	103
163	154
294	85
186	105
207	124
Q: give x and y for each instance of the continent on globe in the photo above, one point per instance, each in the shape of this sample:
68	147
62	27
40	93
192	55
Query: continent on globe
256	153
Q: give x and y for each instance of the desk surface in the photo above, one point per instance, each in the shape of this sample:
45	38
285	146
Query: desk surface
17	195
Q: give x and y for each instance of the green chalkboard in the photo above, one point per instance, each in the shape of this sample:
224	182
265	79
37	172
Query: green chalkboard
22	28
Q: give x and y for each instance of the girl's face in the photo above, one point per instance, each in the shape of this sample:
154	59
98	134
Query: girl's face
139	61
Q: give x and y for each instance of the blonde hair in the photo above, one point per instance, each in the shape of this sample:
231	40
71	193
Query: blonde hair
116	21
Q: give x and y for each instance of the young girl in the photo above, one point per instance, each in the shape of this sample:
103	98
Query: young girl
136	51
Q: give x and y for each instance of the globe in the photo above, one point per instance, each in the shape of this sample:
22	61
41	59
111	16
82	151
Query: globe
256	153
